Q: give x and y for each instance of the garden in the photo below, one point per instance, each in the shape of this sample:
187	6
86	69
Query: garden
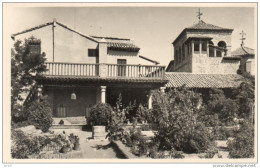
181	123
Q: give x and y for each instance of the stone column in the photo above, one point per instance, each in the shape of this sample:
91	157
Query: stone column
103	94
150	101
192	48
200	47
208	48
215	52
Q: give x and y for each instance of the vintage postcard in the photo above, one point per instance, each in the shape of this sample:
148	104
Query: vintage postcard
130	83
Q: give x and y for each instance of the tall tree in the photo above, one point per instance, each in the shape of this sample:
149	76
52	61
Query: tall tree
27	61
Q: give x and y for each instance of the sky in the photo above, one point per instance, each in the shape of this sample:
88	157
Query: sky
153	29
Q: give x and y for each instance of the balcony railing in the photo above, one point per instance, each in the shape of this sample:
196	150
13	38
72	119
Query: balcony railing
71	69
135	71
105	70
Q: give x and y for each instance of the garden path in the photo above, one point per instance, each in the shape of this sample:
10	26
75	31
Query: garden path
92	149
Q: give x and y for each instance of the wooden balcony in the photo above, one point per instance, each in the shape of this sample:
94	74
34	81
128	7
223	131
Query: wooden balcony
105	70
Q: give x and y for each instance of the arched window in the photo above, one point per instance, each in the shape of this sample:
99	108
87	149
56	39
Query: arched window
222	44
211	49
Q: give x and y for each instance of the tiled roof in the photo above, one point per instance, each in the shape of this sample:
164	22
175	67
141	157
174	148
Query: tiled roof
243	51
203	80
201	25
99	79
115	43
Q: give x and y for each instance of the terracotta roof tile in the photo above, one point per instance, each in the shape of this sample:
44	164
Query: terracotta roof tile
109	79
202	25
243	51
116	43
203	80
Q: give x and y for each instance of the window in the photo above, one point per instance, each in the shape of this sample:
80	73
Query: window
177	56
121	67
180	54
196	46
183	51
61	111
211	51
204	46
188	49
222	44
218	53
93	52
248	67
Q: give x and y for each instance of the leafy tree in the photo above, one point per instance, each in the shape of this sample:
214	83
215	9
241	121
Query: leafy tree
40	114
175	114
24	65
242	146
226	108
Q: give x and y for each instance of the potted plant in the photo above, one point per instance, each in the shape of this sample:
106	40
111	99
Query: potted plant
100	116
76	143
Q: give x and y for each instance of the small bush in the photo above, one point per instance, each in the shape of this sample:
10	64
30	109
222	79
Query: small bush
40	114
175	114
143	114
100	114
242	146
24	146
116	128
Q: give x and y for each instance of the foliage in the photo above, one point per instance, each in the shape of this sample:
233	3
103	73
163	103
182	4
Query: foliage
226	108
143	114
242	146
176	116
40	114
245	98
23	66
118	119
100	114
20	124
23	146
74	139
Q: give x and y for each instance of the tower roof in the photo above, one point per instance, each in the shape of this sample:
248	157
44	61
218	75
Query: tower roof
242	51
202	26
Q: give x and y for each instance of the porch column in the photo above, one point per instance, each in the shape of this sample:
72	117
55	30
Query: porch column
150	101
103	94
192	48
162	89
200	47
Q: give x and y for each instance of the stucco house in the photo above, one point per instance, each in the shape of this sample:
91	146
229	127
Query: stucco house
84	70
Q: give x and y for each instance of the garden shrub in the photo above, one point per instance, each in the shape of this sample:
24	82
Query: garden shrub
143	114
226	108
40	114
176	115
100	114
242	146
116	128
245	98
23	146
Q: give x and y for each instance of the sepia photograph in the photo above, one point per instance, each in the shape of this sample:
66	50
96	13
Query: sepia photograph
130	82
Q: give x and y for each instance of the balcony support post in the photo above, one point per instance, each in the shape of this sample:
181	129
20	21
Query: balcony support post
150	100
